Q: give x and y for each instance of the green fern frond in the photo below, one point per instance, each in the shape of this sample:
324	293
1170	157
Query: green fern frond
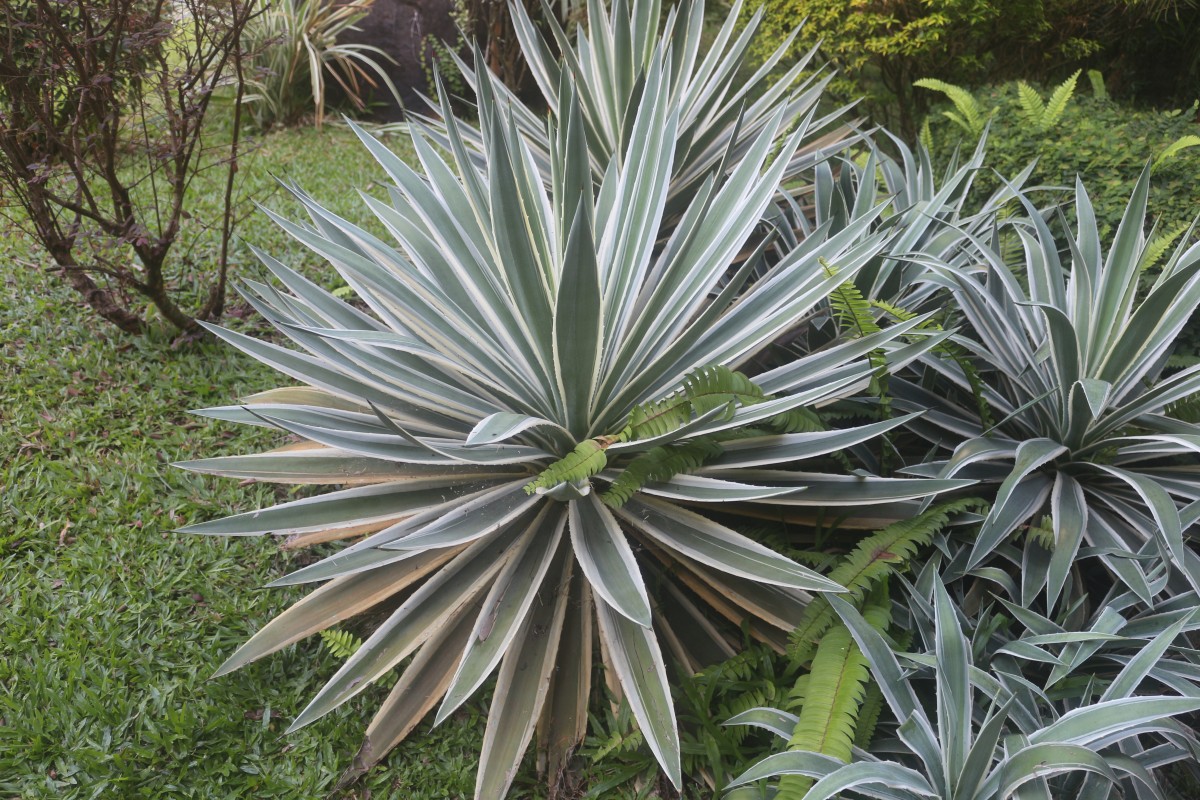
1032	110
1182	360
1160	244
1186	410
868	716
1042	532
850	308
1099	90
659	464
714	385
1057	104
1182	143
811	558
926	136
341	644
873	559
970	116
798	420
853	314
834	692
898	313
583	462
703	389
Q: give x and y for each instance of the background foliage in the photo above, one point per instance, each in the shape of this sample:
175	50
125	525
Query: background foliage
1103	140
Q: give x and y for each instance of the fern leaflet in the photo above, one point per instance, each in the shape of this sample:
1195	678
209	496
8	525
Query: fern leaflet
1032	107
659	464
873	559
584	461
970	117
703	390
1057	104
834	692
342	644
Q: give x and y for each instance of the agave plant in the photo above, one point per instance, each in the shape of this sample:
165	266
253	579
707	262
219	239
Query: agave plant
722	113
1068	415
992	747
930	214
295	48
509	417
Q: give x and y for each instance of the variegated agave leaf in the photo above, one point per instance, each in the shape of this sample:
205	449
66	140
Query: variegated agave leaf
722	112
506	324
1078	441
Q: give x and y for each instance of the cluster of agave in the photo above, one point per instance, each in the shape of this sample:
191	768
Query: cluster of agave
597	338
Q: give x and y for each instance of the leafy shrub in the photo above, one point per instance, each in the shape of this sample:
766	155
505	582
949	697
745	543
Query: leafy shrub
881	49
102	112
295	51
1108	143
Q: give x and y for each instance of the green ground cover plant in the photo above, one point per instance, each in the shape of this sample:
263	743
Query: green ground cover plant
881	50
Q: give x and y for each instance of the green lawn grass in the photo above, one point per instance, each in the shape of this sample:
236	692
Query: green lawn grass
111	623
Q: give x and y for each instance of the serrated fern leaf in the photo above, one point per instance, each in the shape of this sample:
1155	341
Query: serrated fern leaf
798	420
868	716
834	692
799	693
1057	104
1182	361
1182	143
853	314
1042	532
583	462
926	136
341	644
702	391
873	559
970	116
1160	244
850	308
1187	409
1033	110
659	464
900	314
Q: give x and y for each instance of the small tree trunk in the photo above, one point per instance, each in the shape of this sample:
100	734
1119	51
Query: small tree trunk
100	300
